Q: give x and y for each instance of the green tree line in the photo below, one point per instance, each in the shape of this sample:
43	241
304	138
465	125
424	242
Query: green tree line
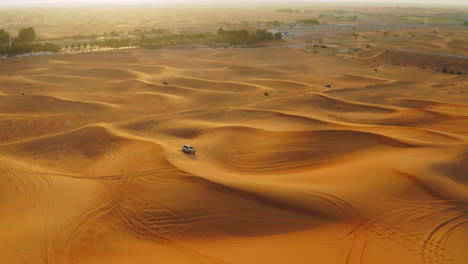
233	37
24	42
244	37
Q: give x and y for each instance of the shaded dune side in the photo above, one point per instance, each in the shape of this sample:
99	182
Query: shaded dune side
423	136
423	118
353	78
212	85
428	104
202	212
83	71
135	170
422	59
44	104
131	171
313	102
140	85
22	126
159	95
281	84
289	68
70	150
255	72
192	124
455	168
180	128
371	87
351	113
260	151
264	119
56	79
25	84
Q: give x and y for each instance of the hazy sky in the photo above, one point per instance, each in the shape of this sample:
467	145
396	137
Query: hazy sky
4	3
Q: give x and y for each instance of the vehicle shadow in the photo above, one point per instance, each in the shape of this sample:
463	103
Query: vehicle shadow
191	156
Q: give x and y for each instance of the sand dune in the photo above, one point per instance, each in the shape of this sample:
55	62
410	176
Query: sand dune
364	79
254	72
212	85
370	170
283	152
44	104
427	104
423	59
313	102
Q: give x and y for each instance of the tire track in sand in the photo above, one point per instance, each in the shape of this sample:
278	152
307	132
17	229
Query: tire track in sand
431	250
73	232
438	237
76	228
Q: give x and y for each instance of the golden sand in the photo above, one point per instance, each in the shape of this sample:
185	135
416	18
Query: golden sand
370	170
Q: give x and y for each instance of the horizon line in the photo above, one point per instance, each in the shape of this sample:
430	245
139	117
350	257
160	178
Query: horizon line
212	3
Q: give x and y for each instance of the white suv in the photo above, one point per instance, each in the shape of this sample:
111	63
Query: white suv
188	149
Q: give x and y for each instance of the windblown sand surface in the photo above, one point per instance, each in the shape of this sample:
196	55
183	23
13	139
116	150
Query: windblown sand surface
373	169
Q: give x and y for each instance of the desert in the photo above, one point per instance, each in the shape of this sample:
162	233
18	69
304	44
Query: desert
334	144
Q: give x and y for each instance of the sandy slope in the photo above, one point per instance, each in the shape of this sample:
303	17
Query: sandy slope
370	170
423	59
